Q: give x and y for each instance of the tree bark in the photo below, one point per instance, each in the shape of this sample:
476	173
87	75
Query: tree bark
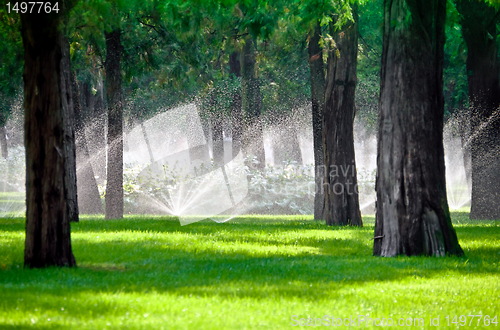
479	28
251	105
89	200
412	210
341	185
114	175
317	70
48	241
3	142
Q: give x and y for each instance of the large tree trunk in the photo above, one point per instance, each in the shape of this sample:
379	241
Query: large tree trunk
89	201
341	185
412	210
3	142
48	241
114	175
479	28
251	105
317	70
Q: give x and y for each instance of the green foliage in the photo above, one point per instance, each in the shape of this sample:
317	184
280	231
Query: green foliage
369	59
455	72
11	62
250	273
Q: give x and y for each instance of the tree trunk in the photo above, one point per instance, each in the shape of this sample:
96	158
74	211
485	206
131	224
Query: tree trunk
114	175
412	210
48	241
479	28
236	117
89	200
317	70
341	185
69	136
3	142
251	105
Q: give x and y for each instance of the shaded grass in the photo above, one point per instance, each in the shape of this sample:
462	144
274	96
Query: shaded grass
252	272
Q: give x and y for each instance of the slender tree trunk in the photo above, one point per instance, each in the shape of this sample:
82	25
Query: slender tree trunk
89	201
479	28
317	70
69	136
48	241
251	104
341	185
3	142
237	118
412	210
114	186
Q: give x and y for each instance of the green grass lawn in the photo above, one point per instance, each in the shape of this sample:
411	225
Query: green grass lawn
253	272
12	204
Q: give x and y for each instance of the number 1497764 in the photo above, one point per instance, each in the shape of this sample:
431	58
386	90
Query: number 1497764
33	7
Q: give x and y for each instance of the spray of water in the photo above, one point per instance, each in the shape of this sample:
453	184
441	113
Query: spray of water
169	168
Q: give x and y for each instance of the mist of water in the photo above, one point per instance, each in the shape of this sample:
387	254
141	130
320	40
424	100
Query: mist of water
169	169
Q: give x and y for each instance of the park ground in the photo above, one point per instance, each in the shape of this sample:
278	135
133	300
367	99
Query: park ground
254	272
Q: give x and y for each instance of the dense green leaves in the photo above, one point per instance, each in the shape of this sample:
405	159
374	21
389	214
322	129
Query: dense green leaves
11	62
177	51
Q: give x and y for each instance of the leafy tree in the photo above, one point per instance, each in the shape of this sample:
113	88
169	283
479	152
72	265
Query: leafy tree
412	210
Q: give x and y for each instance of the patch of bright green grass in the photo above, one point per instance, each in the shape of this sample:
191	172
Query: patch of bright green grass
12	204
253	272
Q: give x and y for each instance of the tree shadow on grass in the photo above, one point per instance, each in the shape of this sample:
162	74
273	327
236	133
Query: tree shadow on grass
228	261
130	267
217	258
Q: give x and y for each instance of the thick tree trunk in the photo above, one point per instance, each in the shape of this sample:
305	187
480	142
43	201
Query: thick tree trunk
89	201
48	241
251	105
3	142
479	28
341	185
114	175
317	70
412	210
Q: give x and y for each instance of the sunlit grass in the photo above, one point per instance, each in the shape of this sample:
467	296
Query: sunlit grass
252	272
